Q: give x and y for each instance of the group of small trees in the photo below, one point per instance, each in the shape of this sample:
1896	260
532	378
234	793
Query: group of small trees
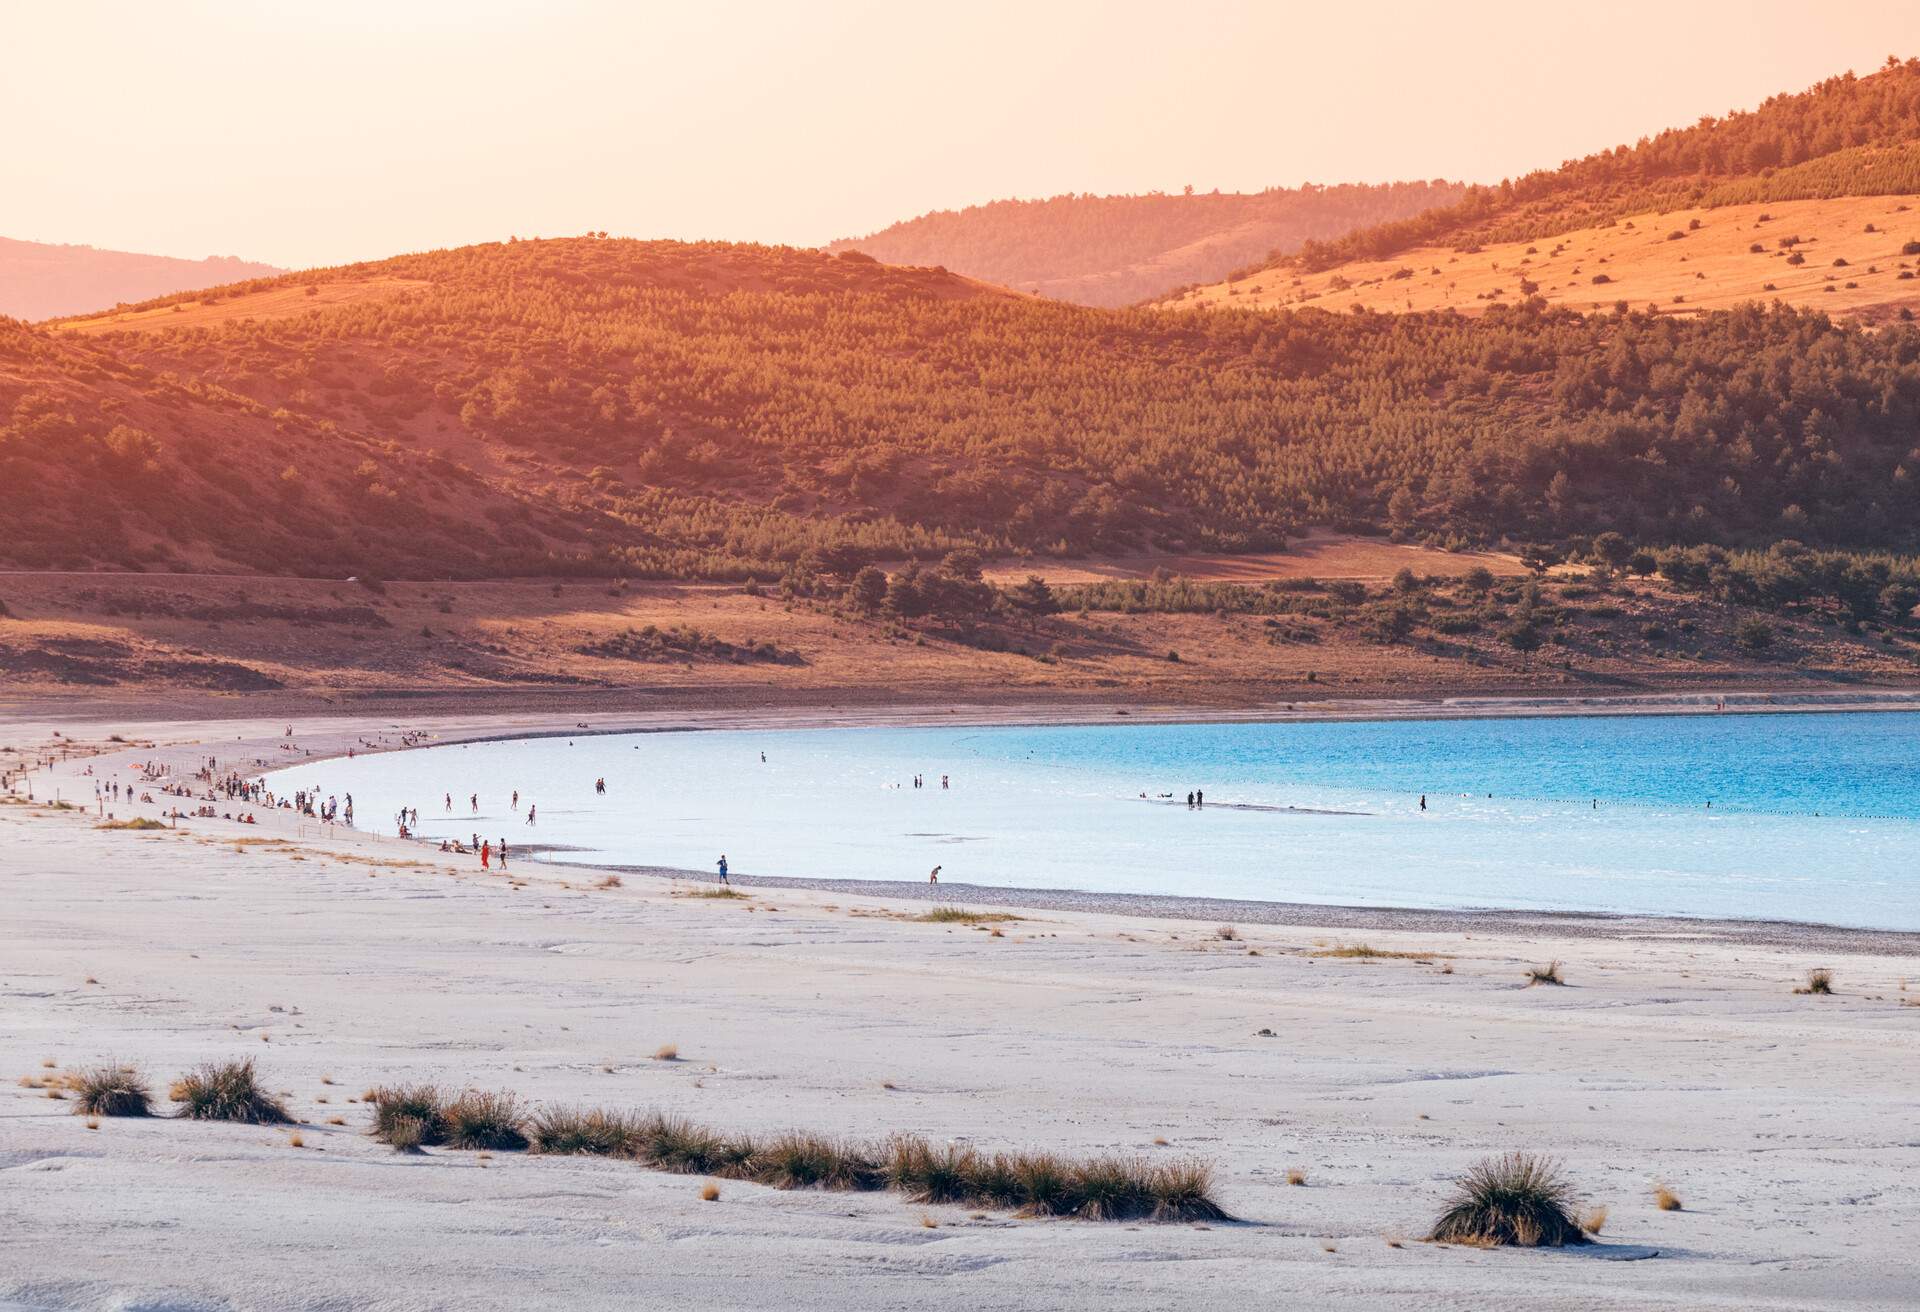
953	590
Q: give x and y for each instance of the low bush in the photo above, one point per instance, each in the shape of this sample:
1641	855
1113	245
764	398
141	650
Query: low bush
1819	981
491	1121
802	1160
1518	1199
111	1090
411	1105
563	1130
228	1091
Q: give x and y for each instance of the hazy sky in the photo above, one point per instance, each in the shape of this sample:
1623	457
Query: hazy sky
319	133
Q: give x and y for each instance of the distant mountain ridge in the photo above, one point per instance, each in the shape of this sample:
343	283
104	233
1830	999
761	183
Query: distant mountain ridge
41	280
1119	250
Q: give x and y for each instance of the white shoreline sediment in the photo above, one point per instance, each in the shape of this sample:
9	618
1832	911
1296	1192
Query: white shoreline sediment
1676	1053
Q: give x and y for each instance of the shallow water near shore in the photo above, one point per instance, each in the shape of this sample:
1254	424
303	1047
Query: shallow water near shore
1808	817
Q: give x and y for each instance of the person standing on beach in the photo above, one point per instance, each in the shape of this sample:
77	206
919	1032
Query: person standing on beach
1423	801
1199	799
531	808
503	856
486	855
1189	801
449	803
722	864
934	878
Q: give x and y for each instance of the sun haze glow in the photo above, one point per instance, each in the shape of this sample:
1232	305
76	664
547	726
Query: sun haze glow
314	134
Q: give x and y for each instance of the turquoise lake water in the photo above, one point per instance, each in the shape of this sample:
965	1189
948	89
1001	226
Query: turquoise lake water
1812	817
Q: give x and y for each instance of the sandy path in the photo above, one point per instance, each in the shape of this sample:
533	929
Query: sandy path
1785	1123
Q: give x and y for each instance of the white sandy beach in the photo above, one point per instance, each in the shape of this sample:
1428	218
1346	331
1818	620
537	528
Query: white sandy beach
1677	1053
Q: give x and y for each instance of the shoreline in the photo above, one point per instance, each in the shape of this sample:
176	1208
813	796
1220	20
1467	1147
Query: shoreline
892	707
332	744
1603	926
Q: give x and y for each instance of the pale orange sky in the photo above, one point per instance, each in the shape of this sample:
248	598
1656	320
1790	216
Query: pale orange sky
319	133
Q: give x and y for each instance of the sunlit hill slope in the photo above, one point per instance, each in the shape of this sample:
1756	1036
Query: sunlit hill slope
1673	217
711	411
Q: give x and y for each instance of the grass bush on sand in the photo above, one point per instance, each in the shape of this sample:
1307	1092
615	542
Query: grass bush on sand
228	1091
1519	1199
1034	1184
946	915
576	1131
110	1090
1042	1184
139	822
413	1116
801	1160
488	1121
413	1109
1819	983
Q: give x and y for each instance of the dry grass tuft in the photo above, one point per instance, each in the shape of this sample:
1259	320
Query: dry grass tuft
927	1222
563	1130
1296	1176
481	1120
228	1091
709	1192
1519	1199
801	1160
945	915
673	1143
666	1052
926	1174
1594	1220
1819	981
1665	1198
1367	952
336	1120
405	1133
1547	974
295	1141
1183	1191
1227	933
111	1090
610	881
414	1110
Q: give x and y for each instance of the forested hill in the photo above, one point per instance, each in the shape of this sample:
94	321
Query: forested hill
667	410
1119	250
41	281
1846	136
